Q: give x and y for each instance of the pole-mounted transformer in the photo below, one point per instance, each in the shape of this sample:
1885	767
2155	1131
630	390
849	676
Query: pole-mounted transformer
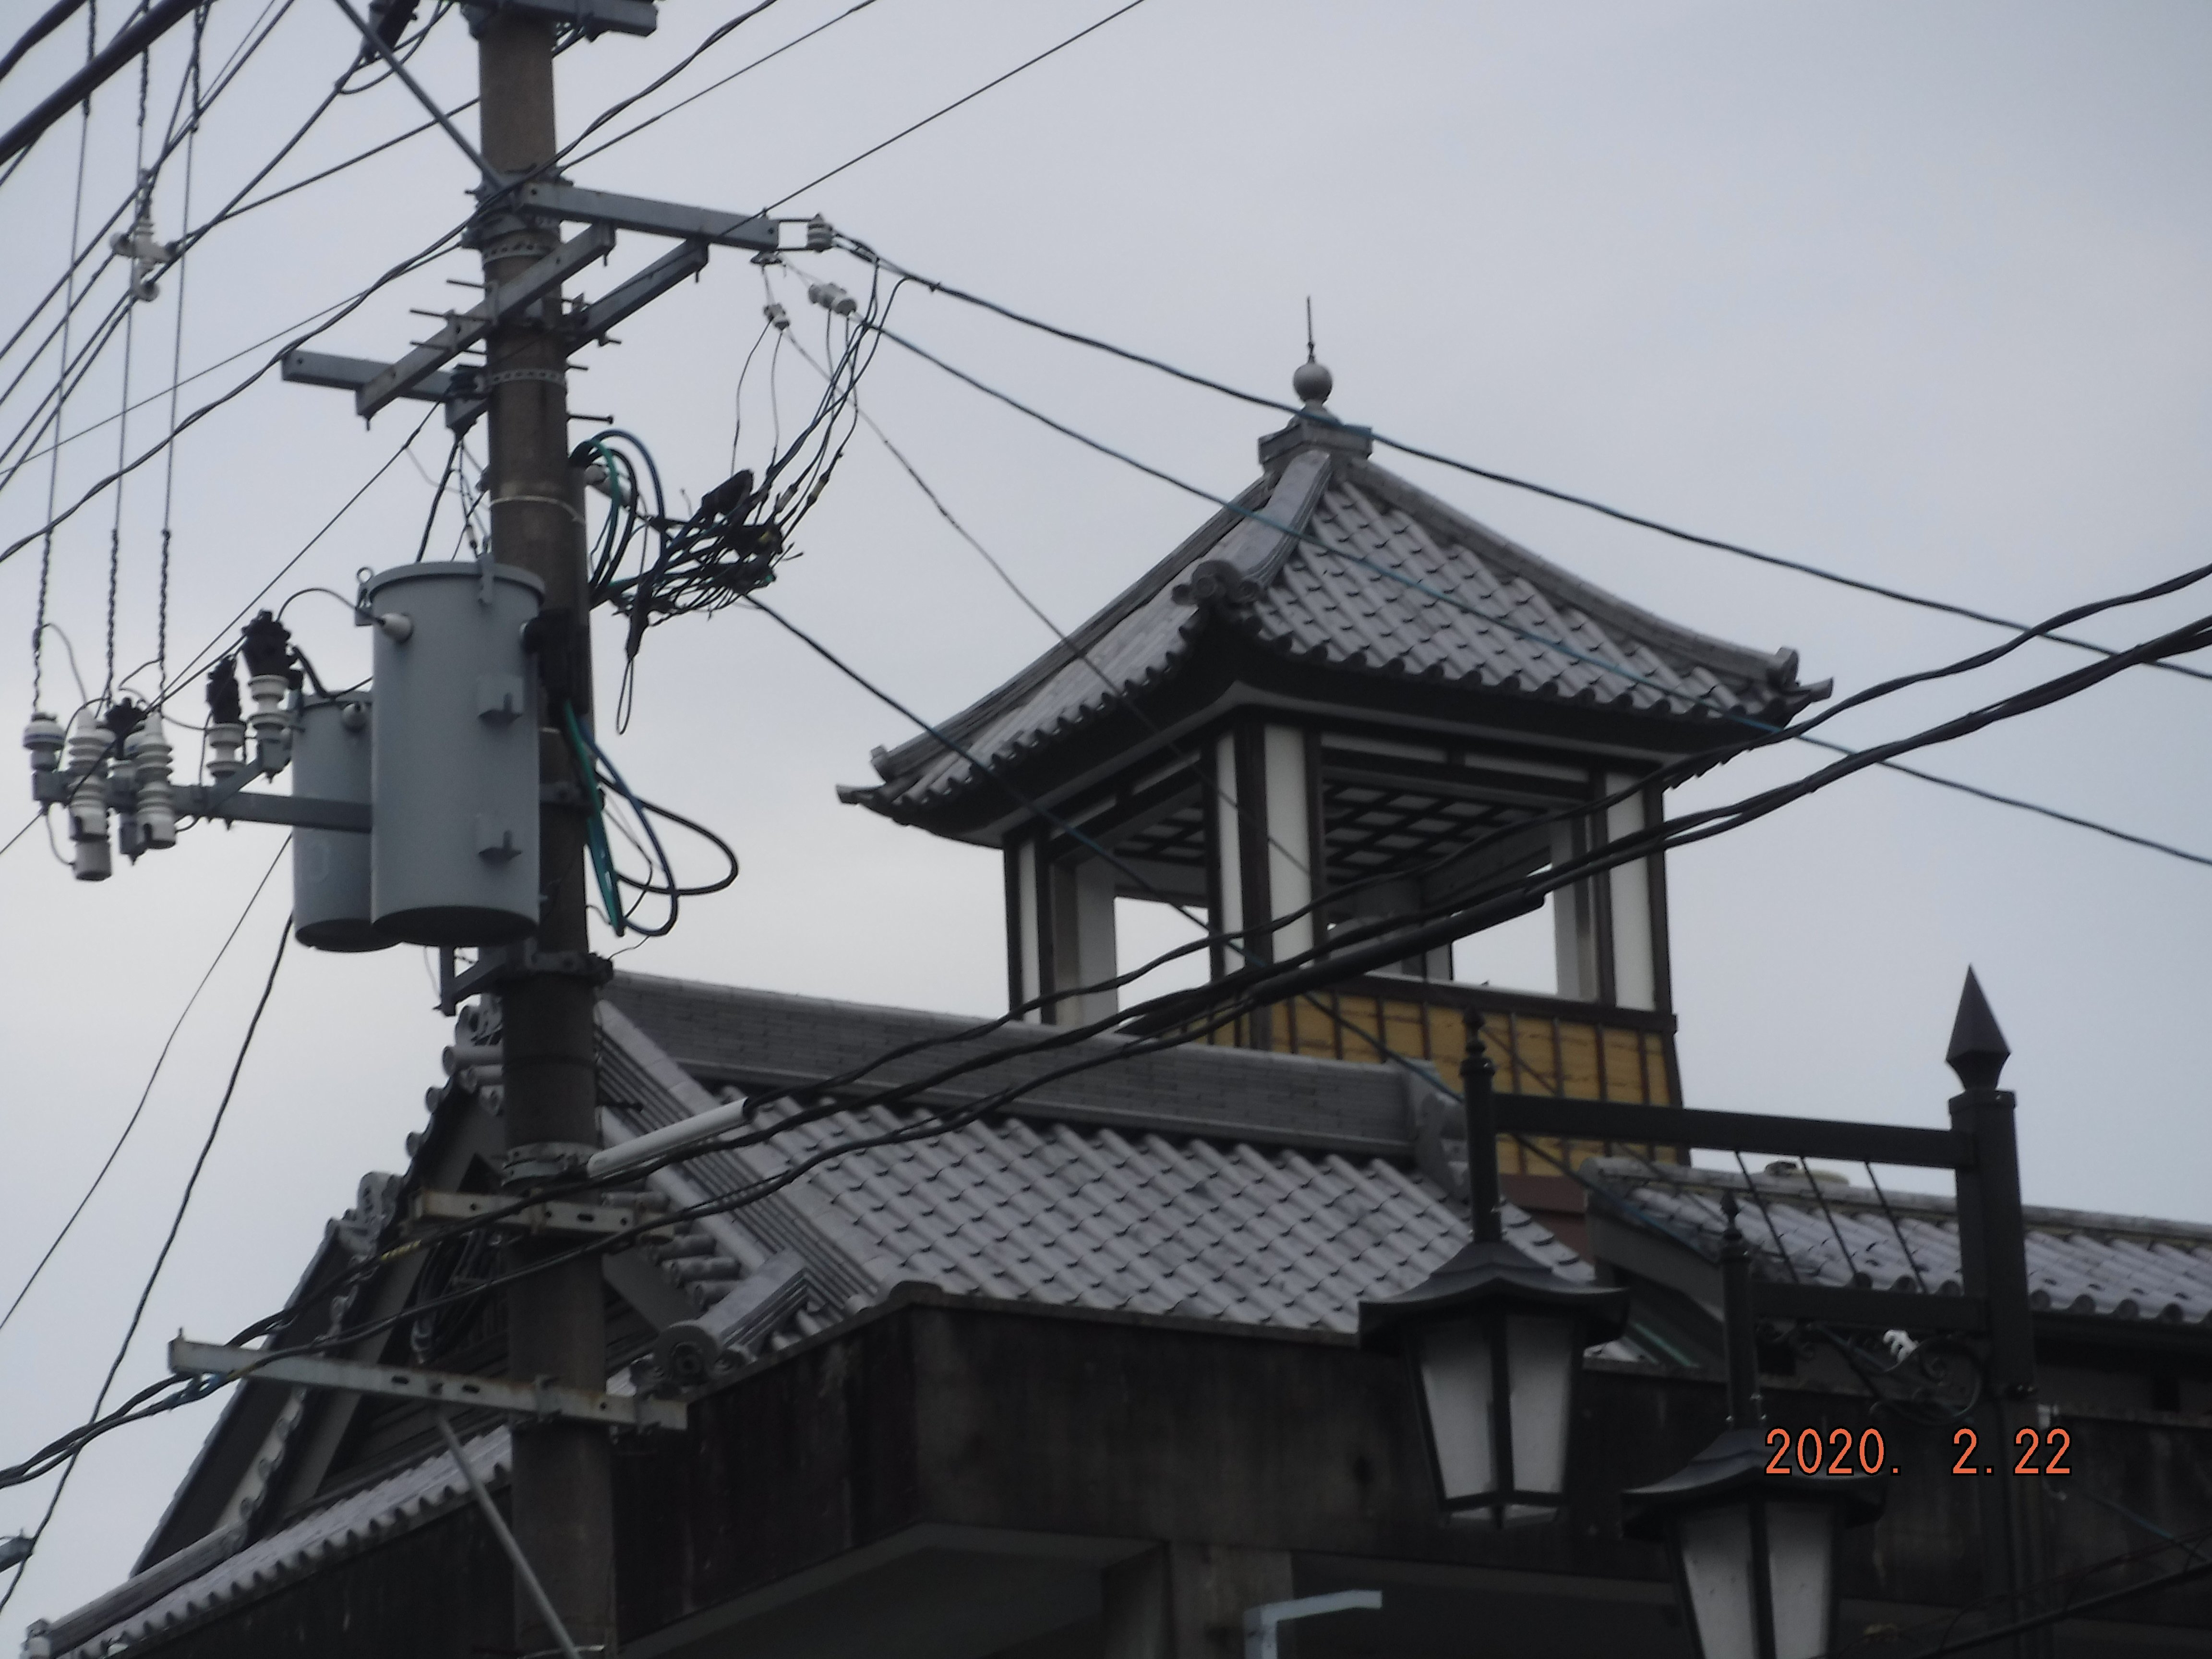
331	761
453	845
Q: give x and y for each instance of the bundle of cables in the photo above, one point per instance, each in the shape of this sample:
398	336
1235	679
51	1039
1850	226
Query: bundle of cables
743	528
601	774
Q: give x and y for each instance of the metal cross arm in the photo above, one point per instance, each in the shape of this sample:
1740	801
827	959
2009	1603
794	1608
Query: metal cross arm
472	325
756	231
592	321
540	1399
457	389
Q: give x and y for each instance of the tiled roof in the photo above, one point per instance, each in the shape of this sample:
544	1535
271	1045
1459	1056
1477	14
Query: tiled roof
1329	592
372	1515
2078	1261
1080	1215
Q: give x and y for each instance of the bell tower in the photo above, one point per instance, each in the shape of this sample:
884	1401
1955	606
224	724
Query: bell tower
1339	702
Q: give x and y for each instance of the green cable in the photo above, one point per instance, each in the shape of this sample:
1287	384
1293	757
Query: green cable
595	826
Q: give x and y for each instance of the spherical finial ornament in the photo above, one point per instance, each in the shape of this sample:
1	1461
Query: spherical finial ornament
1312	382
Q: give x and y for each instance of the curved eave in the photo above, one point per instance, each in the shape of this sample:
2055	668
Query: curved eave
1226	662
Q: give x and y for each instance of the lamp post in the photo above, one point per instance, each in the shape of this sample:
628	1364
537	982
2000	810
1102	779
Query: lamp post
1753	1552
1493	1342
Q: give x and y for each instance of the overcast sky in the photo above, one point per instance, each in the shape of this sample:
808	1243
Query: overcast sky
1915	292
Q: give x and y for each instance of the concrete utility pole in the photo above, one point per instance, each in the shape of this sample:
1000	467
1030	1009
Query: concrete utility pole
561	1491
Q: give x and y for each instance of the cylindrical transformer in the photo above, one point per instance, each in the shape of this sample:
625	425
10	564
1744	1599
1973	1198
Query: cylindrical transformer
454	847
331	761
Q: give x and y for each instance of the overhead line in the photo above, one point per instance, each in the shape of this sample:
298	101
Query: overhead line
863	252
56	15
1307	538
161	1259
967	98
132	40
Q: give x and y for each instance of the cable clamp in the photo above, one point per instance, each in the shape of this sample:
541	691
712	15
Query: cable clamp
543	1160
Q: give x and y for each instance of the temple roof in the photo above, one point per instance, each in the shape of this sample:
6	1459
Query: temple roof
1333	565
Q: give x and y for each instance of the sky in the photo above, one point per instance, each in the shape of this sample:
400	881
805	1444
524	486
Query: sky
1917	292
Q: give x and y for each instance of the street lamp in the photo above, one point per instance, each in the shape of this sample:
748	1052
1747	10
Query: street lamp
1493	1342
1753	1552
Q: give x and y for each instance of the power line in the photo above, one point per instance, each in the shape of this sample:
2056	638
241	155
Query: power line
155	20
713	86
146	1093
862	251
214	645
1182	1017
966	98
1307	538
161	1259
344	309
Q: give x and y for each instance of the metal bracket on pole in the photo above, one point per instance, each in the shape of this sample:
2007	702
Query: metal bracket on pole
471	325
539	1400
230	799
1261	1623
547	1216
457	389
756	231
500	962
592	321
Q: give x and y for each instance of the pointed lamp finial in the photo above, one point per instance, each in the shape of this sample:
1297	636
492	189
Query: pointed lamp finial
1311	380
1977	1052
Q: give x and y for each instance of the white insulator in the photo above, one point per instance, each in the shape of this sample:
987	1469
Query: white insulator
44	738
226	748
91	859
272	728
88	743
148	749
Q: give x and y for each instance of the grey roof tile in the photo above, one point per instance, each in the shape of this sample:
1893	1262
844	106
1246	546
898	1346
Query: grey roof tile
2078	1261
1337	595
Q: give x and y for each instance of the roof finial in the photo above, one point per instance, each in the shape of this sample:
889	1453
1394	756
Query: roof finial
1312	381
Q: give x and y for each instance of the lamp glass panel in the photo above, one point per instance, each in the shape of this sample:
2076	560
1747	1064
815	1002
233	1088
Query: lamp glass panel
1715	1555
1455	1362
1540	1368
1801	1557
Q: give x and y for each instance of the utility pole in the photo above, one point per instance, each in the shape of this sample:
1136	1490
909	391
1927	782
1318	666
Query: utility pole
563	1483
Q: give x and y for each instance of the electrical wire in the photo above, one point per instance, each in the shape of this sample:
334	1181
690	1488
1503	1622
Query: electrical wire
138	1313
1307	538
97	243
966	98
344	309
177	361
53	477
213	648
1193	1015
868	255
144	1094
568	154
